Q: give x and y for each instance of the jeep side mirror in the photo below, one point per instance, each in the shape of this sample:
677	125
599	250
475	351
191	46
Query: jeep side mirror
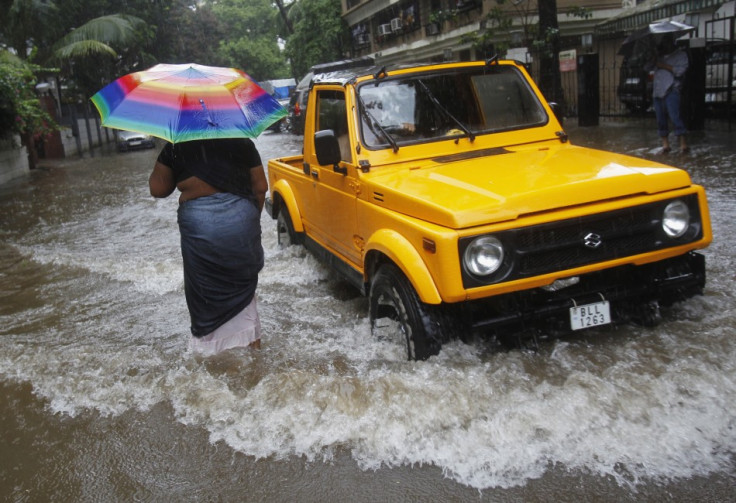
328	150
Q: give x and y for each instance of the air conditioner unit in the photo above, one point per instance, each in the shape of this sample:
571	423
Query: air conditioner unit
384	29
396	24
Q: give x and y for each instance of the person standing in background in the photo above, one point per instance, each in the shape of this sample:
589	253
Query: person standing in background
669	68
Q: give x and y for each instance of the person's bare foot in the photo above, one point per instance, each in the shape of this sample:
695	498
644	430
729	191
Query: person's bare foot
665	145
256	344
683	145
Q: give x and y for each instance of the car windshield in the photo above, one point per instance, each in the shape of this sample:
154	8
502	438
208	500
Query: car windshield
419	108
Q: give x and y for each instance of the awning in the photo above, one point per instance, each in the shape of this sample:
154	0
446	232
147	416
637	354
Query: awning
650	11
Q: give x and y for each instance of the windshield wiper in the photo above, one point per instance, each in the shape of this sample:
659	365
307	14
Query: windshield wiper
433	99
373	122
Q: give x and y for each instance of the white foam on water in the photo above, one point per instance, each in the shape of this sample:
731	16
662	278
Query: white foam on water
487	424
117	243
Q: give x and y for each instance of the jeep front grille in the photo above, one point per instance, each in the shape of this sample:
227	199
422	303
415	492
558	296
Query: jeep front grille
566	244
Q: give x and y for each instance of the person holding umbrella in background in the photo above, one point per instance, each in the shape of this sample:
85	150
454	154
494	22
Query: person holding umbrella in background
207	115
669	65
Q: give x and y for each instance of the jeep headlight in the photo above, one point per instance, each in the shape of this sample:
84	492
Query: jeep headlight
676	218
483	256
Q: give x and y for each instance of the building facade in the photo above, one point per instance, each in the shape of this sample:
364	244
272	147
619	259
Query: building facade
407	31
439	30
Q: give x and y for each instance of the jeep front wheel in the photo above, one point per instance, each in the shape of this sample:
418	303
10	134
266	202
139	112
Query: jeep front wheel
397	314
285	232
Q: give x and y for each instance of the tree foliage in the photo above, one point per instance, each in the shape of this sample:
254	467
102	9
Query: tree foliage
320	34
20	109
96	37
21	30
92	42
249	38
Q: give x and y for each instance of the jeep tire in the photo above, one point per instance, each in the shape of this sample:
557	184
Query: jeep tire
285	232
397	313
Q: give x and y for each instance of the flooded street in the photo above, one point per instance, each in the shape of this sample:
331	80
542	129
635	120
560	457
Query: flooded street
101	401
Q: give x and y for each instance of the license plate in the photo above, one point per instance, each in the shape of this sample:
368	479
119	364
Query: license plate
590	315
135	143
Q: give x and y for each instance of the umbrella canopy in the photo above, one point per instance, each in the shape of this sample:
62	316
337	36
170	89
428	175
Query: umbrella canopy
654	31
188	102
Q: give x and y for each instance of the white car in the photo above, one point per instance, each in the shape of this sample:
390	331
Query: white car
129	140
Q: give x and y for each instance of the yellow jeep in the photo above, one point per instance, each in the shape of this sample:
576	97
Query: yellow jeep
451	196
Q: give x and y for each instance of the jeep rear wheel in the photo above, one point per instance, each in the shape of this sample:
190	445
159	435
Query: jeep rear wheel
398	315
285	232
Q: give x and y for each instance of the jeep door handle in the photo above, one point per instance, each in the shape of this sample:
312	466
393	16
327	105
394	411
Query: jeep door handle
315	174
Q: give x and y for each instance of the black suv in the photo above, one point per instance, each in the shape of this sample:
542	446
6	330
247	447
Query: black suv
298	103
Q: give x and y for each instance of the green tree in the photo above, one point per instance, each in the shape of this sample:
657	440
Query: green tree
494	39
320	34
94	53
97	36
249	39
27	23
197	37
20	110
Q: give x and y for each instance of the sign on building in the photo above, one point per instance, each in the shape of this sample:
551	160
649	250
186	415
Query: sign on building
568	61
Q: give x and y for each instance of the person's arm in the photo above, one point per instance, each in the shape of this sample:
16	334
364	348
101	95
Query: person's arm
679	63
675	63
259	185
161	182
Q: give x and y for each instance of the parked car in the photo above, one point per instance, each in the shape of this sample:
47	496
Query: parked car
719	73
129	140
635	83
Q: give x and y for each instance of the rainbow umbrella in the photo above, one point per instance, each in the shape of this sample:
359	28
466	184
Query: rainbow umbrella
188	102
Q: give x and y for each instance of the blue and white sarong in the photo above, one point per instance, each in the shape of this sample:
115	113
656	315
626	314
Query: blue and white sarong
222	253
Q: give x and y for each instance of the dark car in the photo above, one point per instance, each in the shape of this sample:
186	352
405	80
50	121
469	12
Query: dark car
298	102
129	140
635	83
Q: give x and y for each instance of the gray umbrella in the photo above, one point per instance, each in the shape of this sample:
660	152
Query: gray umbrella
654	31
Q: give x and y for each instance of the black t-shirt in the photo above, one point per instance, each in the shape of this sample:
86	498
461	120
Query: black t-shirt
223	163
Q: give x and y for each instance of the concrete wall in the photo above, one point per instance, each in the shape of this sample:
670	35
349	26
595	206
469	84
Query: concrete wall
98	135
13	159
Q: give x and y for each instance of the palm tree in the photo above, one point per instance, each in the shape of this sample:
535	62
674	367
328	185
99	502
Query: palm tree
94	37
90	55
21	29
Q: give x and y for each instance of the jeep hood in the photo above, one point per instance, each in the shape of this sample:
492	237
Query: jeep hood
507	184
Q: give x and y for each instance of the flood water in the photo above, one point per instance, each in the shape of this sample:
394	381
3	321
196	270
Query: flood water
100	400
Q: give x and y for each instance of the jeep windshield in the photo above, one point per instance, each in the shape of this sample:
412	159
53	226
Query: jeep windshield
422	107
